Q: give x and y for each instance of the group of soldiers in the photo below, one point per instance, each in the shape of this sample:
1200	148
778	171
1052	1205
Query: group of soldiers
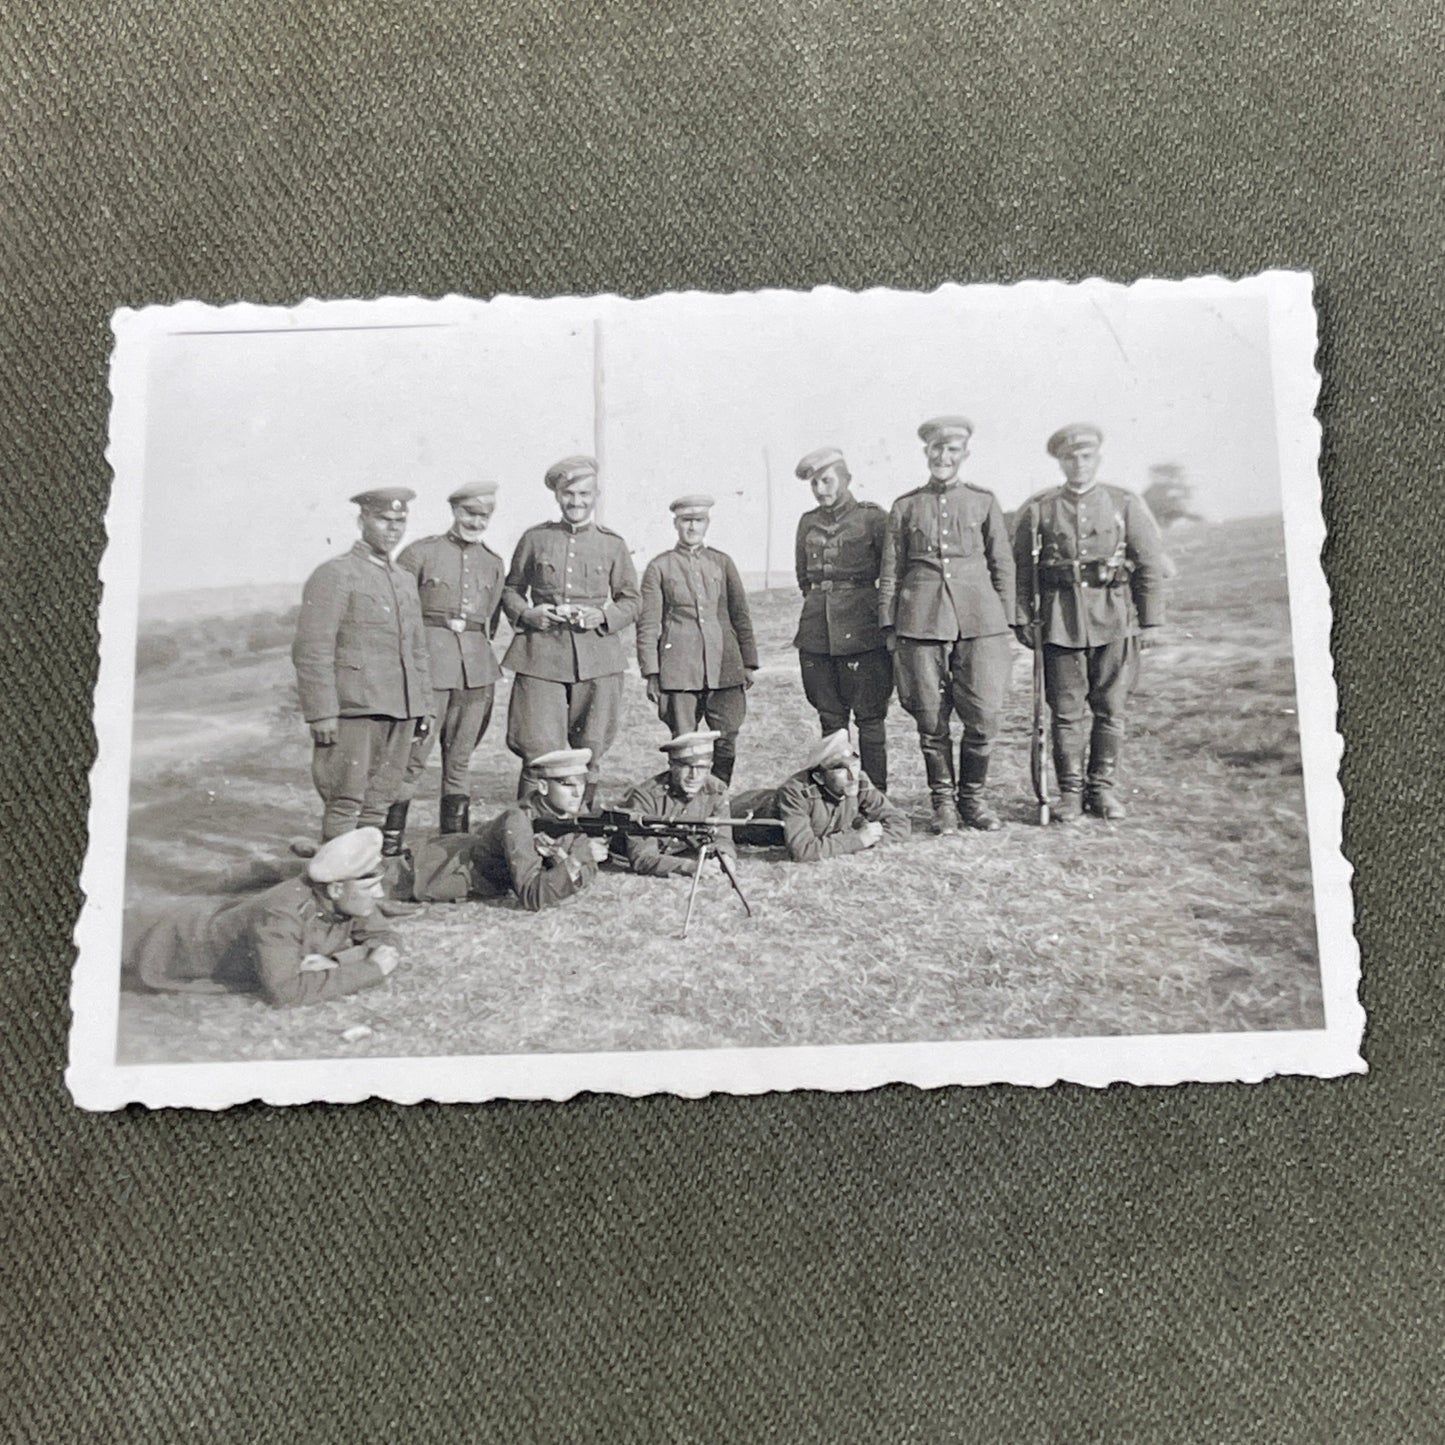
393	653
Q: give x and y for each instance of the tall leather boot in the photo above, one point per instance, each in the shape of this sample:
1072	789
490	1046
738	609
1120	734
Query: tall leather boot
393	830
972	778
396	865
1069	770
873	753
1100	798
456	813
722	766
939	769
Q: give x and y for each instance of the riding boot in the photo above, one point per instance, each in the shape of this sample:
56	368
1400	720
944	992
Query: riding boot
456	813
393	830
873	755
589	798
722	766
1068	768
396	877
972	776
939	769
1101	799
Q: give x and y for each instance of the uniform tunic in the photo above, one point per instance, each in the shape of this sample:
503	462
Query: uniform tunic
694	630
504	855
567	692
838	554
816	825
256	944
460	586
1104	525
947	570
360	655
655	796
360	648
586	566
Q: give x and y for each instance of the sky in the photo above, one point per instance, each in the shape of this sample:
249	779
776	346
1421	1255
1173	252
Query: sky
255	438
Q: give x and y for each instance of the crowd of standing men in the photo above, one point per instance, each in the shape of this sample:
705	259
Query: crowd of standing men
394	651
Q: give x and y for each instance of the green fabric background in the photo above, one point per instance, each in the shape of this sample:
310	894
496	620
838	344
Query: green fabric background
1207	1263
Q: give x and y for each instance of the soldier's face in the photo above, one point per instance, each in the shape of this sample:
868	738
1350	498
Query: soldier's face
830	486
691	529
472	518
355	897
945	455
564	795
688	777
1080	464
578	499
841	779
382	533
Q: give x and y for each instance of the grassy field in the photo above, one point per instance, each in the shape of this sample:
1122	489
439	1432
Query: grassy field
1193	916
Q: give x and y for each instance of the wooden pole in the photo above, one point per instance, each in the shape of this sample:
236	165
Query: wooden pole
599	416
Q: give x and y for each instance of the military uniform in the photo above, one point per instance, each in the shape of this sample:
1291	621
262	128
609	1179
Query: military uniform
817	825
946	588
504	856
845	663
567	689
361	658
695	635
259	944
460	586
655	796
1101	581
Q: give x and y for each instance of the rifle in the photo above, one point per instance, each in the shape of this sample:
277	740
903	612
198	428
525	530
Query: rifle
617	824
1038	741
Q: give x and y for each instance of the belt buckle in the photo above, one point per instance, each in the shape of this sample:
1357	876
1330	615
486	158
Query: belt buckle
457	624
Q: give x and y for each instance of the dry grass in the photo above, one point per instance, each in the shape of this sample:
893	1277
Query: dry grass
1195	915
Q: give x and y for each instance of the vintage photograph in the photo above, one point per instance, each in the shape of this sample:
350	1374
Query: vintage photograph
715	692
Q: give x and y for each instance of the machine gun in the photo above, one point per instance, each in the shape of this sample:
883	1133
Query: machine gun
615	825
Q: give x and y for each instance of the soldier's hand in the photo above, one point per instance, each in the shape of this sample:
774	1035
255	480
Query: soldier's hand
589	618
890	639
386	957
1024	632
598	849
541	619
654	689
871	834
317	963
749	677
323	731
1151	637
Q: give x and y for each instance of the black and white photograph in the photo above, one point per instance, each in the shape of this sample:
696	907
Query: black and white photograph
693	693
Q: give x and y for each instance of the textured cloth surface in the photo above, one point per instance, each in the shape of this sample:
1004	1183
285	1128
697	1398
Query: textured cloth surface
1223	1263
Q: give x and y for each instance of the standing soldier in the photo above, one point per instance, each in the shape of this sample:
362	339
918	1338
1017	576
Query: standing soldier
570	593
945	597
1100	582
459	579
847	668
695	636
361	670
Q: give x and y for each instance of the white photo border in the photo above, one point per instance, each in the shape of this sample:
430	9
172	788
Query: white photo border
97	1082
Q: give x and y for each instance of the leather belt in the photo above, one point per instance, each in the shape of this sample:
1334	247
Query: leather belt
453	624
840	584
